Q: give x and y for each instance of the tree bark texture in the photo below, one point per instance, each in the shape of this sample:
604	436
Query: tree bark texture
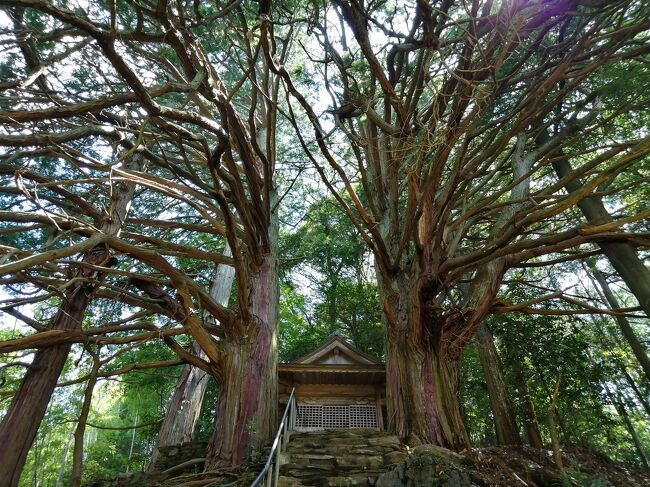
424	344
20	425
424	341
421	371
621	255
185	405
247	404
504	416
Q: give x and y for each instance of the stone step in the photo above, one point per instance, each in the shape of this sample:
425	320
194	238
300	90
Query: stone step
341	433
332	462
324	442
360	479
315	444
336	449
335	458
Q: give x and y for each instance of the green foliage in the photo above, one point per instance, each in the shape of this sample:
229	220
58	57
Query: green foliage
328	282
326	256
475	403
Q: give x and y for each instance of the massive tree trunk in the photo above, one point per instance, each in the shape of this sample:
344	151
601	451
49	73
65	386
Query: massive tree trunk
421	371
504	416
185	405
20	425
247	404
622	255
424	344
422	392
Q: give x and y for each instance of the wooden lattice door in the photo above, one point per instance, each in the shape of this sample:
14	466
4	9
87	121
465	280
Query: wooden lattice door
314	417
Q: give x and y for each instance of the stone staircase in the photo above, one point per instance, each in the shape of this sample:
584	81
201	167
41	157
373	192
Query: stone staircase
338	458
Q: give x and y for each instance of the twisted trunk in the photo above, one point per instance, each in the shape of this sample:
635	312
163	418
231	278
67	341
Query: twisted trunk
422	393
424	344
422	370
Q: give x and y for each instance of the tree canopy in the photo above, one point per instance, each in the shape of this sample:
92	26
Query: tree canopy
459	188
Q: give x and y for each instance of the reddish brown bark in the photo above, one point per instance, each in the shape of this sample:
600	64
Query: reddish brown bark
247	404
421	372
422	387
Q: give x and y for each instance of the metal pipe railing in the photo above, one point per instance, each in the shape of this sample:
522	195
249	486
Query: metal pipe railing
287	424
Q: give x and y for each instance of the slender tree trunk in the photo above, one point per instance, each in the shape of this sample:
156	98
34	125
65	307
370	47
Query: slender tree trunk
626	328
622	411
78	451
639	395
59	478
609	341
504	416
247	404
133	431
531	426
20	425
185	405
622	255
550	420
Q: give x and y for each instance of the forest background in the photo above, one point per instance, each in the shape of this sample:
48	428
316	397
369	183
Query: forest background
484	162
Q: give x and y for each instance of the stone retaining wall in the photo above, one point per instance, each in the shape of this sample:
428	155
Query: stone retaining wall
173	455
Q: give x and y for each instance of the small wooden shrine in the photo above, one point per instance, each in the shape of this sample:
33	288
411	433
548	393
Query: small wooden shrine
337	386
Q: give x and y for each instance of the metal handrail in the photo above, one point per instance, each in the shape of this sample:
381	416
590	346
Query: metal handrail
279	444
